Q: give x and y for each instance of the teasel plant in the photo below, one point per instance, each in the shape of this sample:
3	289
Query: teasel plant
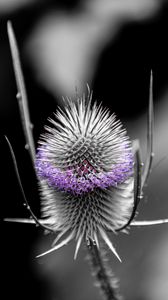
89	173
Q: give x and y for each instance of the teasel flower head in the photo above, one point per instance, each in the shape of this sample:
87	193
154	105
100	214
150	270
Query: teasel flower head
85	167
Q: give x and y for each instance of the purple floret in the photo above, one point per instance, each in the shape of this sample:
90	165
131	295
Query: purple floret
86	179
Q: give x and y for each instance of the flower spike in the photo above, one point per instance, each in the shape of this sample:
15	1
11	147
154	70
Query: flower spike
84	163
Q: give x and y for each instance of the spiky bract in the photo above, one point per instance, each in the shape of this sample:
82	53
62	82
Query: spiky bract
85	166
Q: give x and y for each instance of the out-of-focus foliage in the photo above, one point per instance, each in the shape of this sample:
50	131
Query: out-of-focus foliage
65	48
13	5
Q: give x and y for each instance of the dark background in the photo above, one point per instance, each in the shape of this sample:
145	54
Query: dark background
122	74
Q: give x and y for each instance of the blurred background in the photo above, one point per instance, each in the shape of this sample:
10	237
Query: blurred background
112	45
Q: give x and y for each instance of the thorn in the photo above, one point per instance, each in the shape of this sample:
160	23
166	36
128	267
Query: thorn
31	126
27	147
18	95
152	154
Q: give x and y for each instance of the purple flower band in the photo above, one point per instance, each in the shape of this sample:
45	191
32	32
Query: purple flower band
84	178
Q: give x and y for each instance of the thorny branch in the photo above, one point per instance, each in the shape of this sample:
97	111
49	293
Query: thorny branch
21	95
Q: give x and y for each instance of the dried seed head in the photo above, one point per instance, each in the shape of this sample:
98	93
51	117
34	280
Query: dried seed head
85	165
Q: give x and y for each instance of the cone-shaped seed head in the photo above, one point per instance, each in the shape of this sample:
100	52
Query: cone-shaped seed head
85	166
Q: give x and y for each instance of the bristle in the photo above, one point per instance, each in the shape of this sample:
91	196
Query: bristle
109	243
61	244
